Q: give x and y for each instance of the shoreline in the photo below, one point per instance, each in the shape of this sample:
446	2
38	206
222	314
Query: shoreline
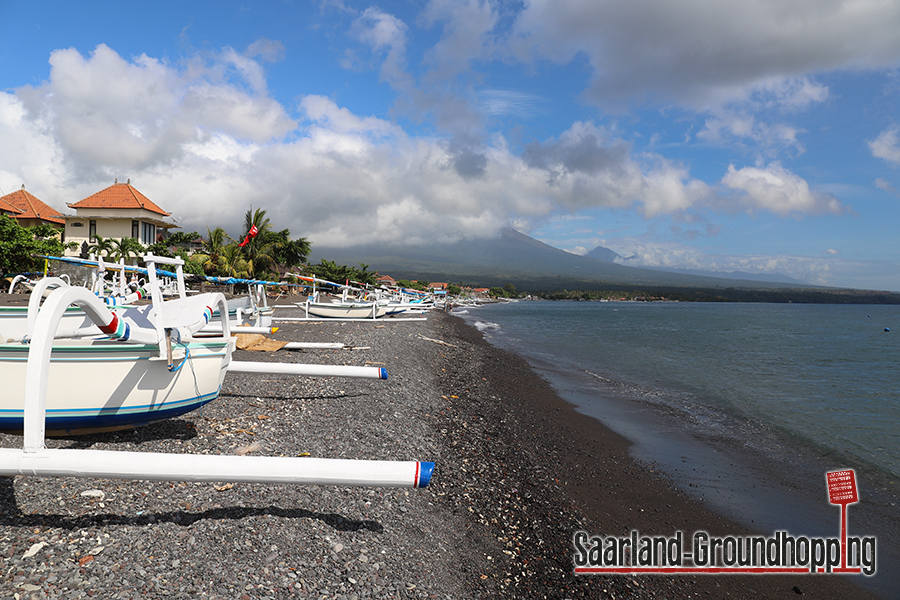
607	491
518	471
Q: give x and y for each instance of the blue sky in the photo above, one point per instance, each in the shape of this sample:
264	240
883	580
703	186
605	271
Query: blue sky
753	135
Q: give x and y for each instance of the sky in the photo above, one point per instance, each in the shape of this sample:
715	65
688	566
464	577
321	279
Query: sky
755	135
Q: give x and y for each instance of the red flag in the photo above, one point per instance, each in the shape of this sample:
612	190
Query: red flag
250	234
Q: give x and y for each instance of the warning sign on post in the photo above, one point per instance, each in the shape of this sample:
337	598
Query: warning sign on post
842	487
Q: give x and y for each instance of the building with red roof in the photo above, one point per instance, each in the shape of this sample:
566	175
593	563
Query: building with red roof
29	210
116	212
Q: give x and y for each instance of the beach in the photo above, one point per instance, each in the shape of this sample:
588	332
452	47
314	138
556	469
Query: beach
518	472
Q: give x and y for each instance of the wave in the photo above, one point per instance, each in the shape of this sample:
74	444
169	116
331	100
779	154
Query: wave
485	325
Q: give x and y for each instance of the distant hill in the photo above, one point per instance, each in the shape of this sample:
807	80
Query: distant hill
513	257
741	275
603	254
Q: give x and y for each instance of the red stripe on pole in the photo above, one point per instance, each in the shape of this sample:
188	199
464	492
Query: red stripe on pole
113	325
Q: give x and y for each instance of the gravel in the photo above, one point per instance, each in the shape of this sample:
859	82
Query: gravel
81	538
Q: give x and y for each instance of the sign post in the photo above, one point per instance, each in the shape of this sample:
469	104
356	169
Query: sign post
842	490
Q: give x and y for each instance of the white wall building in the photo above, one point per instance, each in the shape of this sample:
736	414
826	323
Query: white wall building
119	211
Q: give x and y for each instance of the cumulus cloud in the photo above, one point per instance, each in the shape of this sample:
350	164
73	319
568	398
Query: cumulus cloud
777	190
110	113
703	53
887	145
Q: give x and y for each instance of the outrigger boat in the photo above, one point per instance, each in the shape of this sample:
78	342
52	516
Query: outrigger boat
148	367
345	310
143	363
118	367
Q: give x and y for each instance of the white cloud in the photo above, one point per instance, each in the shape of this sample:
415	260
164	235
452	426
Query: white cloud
777	190
887	145
466	36
884	185
704	53
385	34
108	113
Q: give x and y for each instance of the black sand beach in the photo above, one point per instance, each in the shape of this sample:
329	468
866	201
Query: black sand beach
518	472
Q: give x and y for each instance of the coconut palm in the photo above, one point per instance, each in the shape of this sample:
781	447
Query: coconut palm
212	258
233	262
125	249
101	246
259	250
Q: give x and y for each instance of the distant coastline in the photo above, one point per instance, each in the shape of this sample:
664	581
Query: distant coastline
779	296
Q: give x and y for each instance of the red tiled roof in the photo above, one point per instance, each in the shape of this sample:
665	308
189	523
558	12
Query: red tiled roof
30	207
119	195
7	207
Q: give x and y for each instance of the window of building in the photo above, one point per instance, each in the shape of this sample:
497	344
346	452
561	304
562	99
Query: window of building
148	233
92	230
135	229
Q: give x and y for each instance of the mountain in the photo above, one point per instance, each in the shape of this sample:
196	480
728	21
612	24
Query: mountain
603	254
760	277
513	257
607	255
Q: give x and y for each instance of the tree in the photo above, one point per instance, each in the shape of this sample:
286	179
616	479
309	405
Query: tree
212	260
413	285
331	271
497	292
288	252
101	246
258	250
268	248
125	249
18	244
233	263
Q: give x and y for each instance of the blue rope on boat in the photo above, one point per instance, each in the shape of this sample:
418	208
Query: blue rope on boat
187	355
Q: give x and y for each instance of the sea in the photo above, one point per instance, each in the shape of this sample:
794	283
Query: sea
745	407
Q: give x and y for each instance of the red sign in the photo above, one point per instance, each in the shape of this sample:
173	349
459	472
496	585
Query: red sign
842	487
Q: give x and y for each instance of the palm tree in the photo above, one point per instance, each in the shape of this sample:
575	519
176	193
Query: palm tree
216	240
212	259
232	260
260	249
101	246
126	248
258	218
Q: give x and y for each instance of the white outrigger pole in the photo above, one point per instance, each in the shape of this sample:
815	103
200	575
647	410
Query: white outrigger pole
35	459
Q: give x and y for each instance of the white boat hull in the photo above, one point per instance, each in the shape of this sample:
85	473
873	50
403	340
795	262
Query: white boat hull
102	385
344	310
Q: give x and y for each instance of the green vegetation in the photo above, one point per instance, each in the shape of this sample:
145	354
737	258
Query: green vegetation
331	271
413	285
18	244
254	257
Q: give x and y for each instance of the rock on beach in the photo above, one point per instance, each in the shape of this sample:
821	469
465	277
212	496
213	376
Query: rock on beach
518	471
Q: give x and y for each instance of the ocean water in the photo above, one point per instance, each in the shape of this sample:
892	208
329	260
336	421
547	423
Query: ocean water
745	406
